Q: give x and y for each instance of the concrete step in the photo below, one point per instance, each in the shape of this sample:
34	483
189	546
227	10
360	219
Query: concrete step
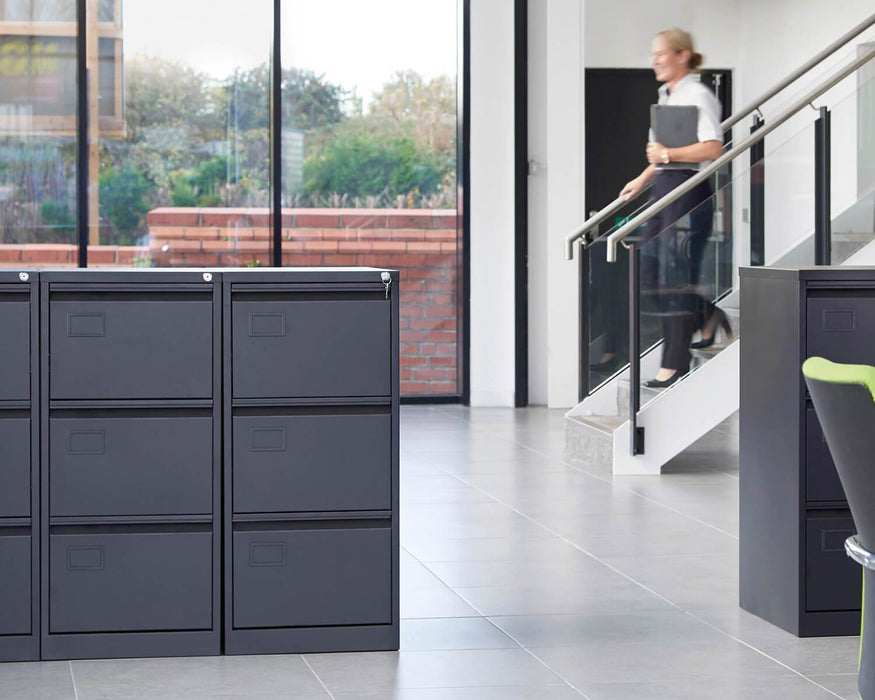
589	440
647	394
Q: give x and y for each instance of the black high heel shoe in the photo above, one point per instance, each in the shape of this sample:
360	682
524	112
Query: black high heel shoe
722	322
662	383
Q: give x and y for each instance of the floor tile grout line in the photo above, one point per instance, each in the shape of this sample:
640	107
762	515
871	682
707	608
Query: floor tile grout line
649	590
509	636
628	490
73	678
316	676
638	583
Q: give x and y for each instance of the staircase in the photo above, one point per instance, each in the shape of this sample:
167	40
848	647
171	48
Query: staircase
599	430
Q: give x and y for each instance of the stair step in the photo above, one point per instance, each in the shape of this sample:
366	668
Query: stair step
589	440
647	394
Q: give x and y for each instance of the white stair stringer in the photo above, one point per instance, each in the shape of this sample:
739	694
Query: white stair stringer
682	414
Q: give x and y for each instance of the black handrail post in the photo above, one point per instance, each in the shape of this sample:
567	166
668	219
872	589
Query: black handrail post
276	117
583	340
82	183
757	196
822	171
636	436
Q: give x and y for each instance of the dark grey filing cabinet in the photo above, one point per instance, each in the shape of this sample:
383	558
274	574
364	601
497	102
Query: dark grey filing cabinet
793	514
19	475
131	449
311	460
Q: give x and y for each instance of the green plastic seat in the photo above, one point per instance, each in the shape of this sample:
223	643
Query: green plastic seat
844	399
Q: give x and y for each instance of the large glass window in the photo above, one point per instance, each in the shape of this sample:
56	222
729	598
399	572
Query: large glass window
37	133
180	153
369	160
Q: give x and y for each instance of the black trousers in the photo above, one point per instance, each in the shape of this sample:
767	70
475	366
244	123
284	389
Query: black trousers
671	258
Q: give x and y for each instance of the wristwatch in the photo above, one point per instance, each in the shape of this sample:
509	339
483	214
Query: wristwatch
665	157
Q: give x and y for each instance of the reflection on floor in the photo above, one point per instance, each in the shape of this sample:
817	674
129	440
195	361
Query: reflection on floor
525	577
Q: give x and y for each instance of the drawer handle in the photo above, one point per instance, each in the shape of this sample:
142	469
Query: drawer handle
267	325
838	320
267	439
86	558
834	540
86	325
86	442
267	554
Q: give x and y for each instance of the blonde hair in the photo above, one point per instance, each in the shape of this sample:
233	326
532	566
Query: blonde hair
681	40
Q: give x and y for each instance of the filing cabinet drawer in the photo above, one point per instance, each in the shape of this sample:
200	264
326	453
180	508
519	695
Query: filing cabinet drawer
821	478
132	465
833	580
131	349
15	347
841	326
129	582
311	578
14	467
15	603
288	463
328	346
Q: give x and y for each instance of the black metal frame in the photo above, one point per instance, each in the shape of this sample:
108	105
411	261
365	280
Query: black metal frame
463	195
276	125
81	134
822	174
636	435
521	204
463	108
757	196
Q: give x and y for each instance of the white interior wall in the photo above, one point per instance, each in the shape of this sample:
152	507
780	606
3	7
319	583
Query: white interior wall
491	200
555	197
539	251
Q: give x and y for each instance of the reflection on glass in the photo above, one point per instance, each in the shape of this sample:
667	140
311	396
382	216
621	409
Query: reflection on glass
180	165
369	160
37	134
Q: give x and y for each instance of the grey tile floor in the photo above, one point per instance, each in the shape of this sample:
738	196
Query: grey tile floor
526	577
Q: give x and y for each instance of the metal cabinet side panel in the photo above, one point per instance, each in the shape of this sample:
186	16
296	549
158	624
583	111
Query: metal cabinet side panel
771	415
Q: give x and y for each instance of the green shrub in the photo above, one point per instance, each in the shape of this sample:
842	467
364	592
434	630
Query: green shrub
123	195
358	164
58	216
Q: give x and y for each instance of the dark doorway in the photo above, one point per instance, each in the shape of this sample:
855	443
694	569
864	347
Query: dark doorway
615	131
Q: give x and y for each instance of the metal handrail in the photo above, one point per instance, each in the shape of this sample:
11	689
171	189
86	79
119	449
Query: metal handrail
591	223
799	72
731	154
730	121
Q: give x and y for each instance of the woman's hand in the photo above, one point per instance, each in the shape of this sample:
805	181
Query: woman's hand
656	152
632	188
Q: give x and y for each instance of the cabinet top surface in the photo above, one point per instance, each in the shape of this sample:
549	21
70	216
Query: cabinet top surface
825	272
